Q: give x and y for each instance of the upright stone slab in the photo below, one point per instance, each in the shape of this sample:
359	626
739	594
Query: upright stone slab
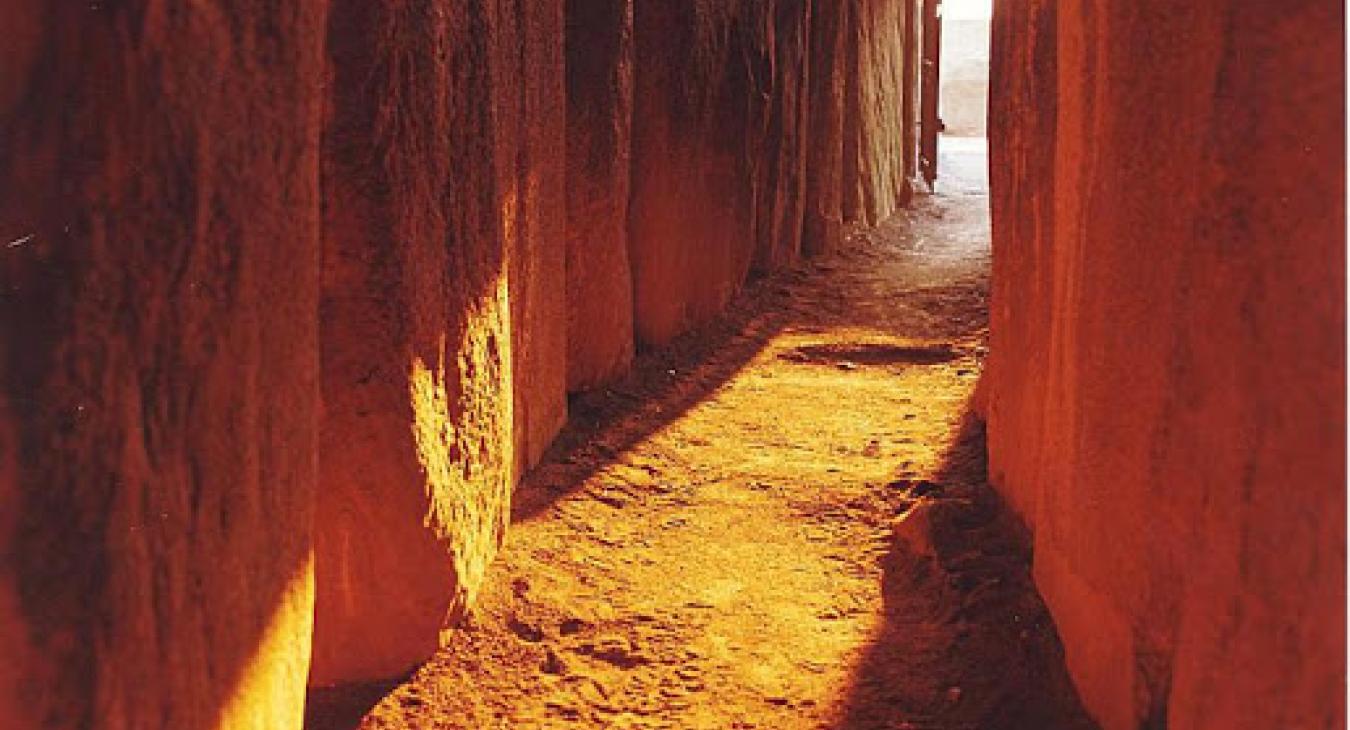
417	461
691	235
824	214
159	395
875	143
530	116
1167	374
600	335
783	121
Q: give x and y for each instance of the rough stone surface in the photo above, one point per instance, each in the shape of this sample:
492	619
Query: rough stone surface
875	179
823	226
691	235
780	35
599	143
158	384
437	293
1167	372
529	124
913	62
742	150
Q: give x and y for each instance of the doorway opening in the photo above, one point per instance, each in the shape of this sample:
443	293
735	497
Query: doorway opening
953	137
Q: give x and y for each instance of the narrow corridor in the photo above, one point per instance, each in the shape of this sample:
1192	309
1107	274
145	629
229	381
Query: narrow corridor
547	364
781	522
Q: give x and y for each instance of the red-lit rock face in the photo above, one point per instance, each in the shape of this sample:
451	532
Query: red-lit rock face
779	130
822	225
726	118
160	399
599	146
691	235
530	128
877	142
1167	373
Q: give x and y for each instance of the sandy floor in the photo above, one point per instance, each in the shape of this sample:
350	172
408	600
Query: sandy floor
780	523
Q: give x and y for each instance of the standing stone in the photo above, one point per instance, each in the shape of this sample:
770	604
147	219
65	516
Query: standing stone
417	462
159	389
599	144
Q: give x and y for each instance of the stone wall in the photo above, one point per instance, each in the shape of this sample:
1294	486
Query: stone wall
599	145
822	227
529	121
877	175
159	389
756	131
692	207
1166	379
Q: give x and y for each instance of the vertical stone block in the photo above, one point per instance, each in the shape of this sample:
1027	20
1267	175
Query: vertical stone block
824	220
599	144
159	390
418	373
691	235
530	112
1168	356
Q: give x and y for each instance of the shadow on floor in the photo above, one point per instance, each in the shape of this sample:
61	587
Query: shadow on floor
661	387
872	354
343	707
960	611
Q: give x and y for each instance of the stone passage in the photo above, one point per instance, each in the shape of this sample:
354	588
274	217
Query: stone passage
293	297
296	297
779	522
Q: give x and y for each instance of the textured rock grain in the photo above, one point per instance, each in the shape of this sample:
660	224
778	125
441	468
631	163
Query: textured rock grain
159	398
1167	370
441	217
599	146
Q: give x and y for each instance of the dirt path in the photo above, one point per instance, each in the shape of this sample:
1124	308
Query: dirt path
780	523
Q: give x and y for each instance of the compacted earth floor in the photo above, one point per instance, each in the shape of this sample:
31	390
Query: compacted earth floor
781	522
